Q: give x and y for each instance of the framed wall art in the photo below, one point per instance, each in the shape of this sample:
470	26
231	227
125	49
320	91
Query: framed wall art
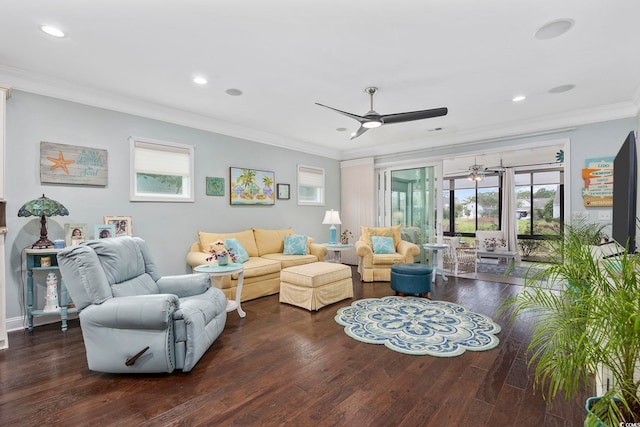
73	164
251	187
283	191
123	225
104	231
74	234
215	186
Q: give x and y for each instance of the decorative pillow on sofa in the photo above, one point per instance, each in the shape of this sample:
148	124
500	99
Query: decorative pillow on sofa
368	232
244	237
295	244
237	249
383	245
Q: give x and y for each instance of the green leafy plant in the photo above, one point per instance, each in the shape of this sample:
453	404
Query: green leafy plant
584	310
345	235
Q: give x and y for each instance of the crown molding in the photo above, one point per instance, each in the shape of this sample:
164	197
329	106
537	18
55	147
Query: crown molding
56	88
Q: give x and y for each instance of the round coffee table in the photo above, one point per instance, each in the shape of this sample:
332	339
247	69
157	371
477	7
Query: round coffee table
226	270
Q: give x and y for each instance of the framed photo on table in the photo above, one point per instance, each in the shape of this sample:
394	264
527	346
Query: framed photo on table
123	225
104	231
283	191
74	234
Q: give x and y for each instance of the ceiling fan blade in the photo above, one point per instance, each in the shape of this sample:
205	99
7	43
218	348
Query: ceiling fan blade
359	132
353	116
413	115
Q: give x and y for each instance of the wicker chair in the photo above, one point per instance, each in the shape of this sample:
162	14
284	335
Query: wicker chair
458	258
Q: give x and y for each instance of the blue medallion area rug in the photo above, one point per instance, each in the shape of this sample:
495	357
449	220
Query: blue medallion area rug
418	326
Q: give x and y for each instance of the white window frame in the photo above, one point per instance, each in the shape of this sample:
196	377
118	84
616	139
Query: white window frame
187	193
306	174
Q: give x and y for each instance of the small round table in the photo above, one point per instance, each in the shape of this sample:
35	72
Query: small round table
435	247
337	249
226	270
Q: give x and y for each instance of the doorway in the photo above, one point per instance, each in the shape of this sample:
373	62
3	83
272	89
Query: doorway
408	197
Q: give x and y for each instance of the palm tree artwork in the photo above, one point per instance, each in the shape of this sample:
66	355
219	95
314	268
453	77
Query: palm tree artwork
245	188
267	181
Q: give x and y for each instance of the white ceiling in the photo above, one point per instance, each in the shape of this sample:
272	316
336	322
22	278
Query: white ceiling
468	55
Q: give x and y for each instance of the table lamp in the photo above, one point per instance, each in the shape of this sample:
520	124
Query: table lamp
332	217
43	207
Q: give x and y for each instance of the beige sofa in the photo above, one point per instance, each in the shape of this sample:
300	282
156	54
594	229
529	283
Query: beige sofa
266	260
377	267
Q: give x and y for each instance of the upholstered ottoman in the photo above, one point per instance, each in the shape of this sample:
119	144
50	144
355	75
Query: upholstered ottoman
312	286
411	279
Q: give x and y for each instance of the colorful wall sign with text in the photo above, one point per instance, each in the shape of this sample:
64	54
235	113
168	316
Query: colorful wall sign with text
598	182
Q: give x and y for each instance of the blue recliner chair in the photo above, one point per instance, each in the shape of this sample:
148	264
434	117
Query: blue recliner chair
132	319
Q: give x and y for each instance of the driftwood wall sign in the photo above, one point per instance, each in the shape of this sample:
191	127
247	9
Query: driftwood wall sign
72	164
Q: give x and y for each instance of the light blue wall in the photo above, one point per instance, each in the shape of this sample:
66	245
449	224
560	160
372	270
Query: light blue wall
169	228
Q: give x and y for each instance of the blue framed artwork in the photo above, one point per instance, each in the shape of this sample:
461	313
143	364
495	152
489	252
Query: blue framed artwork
215	186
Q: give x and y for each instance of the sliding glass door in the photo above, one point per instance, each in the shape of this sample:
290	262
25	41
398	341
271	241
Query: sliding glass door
408	197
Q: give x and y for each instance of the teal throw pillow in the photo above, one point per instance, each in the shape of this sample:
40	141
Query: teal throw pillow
383	245
295	244
238	250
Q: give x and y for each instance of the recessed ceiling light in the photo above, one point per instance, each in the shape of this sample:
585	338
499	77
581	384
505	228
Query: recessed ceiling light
554	29
52	31
200	80
519	98
341	129
560	89
233	92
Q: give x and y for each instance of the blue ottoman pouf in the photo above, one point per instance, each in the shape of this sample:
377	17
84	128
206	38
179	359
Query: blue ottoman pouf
411	279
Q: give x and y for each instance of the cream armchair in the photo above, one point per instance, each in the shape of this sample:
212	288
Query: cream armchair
376	267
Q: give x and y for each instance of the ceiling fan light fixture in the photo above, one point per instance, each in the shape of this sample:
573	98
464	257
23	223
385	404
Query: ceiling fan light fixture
372	124
474	176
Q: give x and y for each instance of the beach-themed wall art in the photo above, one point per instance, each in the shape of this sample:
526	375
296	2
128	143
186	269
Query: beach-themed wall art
215	186
598	182
251	187
72	164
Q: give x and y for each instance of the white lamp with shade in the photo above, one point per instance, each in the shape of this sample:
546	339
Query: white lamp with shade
332	217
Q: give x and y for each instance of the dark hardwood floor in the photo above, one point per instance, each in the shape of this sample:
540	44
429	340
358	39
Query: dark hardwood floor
283	365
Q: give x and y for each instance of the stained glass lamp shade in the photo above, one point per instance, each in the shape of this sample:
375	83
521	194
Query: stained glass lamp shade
43	207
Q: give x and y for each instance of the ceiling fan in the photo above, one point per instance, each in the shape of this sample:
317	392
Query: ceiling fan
477	172
373	120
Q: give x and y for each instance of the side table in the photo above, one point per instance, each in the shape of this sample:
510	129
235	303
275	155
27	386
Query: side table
435	247
226	270
34	263
337	249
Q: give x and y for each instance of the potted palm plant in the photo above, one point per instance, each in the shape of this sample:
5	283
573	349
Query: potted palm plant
584	309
